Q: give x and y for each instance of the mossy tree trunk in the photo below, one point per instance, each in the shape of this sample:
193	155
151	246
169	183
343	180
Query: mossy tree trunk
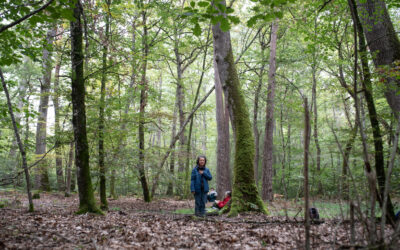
86	196
245	196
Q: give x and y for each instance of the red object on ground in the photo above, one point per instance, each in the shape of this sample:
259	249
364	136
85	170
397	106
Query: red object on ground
221	204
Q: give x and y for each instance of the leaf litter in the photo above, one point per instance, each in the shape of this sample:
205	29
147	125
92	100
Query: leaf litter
131	223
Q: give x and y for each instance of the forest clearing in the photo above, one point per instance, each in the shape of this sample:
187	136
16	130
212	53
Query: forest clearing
205	124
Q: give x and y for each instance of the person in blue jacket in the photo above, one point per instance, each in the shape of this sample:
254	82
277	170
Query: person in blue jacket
199	185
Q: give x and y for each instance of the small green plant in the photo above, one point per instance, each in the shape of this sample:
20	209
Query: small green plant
115	209
4	203
36	196
185	211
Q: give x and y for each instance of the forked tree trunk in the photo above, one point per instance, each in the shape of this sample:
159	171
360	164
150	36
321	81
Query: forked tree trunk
267	174
42	181
86	197
245	196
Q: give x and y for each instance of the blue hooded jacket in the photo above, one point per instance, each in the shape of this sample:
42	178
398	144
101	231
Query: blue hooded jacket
197	178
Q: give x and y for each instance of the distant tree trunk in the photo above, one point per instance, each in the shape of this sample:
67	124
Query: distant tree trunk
112	185
42	177
69	170
143	103
245	196
315	116
307	130
375	16
57	130
20	145
170	189
267	174
263	45
102	167
86	197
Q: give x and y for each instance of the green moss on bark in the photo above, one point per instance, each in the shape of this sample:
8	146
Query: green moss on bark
245	196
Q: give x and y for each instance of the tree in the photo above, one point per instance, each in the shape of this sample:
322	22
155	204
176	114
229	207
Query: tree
42	176
245	196
267	174
86	196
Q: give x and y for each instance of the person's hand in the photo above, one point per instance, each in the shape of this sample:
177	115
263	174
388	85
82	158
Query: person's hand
201	171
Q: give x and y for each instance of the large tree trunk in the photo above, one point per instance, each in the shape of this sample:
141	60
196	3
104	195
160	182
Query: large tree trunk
57	130
383	44
20	145
223	143
143	103
245	196
102	167
367	85
42	176
86	197
267	174
307	130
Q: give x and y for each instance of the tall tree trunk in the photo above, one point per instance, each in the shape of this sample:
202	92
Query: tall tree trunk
383	44
102	167
256	133
267	174
315	116
143	103
223	143
69	170
245	196
170	189
42	176
307	130
57	130
20	145
86	197
376	132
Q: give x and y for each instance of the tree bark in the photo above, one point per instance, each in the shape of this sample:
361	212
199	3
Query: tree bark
376	132
69	170
245	196
102	167
267	174
20	145
86	197
42	176
383	44
143	103
57	129
307	130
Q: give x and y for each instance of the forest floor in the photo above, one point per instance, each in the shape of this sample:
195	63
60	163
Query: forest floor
133	224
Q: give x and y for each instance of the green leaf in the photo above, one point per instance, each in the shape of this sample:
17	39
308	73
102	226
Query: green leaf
192	4
234	19
197	29
225	25
203	4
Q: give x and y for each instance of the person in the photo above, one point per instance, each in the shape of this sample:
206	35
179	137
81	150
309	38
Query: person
199	185
212	195
220	204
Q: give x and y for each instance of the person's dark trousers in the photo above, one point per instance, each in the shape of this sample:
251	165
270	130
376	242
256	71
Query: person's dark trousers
200	204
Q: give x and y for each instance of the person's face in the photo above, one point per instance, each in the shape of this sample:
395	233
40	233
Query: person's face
202	161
